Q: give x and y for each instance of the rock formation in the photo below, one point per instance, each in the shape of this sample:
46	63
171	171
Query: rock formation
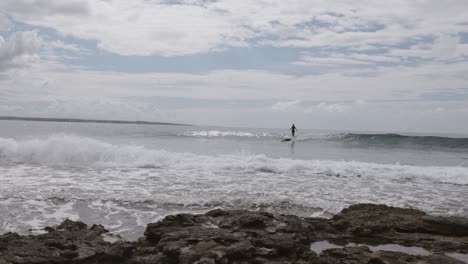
239	236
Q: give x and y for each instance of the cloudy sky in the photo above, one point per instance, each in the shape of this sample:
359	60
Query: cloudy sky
355	65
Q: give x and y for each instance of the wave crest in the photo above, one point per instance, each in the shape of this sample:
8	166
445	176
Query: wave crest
397	140
389	140
216	133
69	150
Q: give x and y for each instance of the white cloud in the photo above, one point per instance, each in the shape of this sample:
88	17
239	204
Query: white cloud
373	58
298	106
142	27
328	107
135	27
400	83
19	50
346	62
94	108
5	22
324	62
286	105
444	47
58	44
347	102
40	8
357	47
97	108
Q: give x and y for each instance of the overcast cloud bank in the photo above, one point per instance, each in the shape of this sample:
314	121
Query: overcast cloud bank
390	57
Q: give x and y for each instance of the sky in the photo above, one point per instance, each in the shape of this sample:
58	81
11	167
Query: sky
394	66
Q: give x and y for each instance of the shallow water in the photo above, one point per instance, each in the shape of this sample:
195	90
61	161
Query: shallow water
125	176
459	256
320	246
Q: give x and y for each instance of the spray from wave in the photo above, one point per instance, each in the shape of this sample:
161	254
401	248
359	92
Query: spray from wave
70	151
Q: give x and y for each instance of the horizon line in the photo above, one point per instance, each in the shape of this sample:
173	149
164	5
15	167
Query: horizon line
83	120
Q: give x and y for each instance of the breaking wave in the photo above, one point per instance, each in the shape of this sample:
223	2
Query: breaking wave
216	133
397	140
389	140
70	151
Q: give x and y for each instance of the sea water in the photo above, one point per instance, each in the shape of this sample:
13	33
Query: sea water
126	176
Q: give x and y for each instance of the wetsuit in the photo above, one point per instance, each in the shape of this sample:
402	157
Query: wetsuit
293	130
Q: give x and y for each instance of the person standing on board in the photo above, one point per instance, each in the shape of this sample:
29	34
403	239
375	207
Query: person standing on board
293	130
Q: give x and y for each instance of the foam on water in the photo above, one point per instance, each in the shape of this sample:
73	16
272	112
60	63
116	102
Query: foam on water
125	186
75	151
216	133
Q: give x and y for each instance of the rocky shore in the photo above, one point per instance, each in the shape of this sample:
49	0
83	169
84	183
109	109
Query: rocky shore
362	233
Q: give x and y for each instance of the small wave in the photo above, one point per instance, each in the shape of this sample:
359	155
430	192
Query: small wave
389	140
216	133
397	140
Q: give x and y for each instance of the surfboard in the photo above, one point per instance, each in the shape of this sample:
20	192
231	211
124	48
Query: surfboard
286	139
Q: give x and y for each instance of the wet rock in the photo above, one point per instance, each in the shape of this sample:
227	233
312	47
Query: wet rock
239	236
70	242
230	236
451	226
381	224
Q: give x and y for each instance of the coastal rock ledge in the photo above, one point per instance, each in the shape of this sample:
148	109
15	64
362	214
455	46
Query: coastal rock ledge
362	233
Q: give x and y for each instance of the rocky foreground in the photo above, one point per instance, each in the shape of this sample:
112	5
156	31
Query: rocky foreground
252	237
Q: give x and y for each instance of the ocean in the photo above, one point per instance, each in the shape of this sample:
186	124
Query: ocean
125	176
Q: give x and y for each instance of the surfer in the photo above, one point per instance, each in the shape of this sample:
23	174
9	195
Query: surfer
293	130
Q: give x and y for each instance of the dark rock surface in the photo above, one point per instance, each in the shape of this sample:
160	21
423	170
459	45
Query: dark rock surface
380	224
70	242
251	237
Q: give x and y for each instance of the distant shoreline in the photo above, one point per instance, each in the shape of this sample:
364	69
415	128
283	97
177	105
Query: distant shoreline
76	120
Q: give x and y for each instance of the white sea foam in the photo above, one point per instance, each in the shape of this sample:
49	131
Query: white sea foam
216	133
247	135
124	187
76	151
